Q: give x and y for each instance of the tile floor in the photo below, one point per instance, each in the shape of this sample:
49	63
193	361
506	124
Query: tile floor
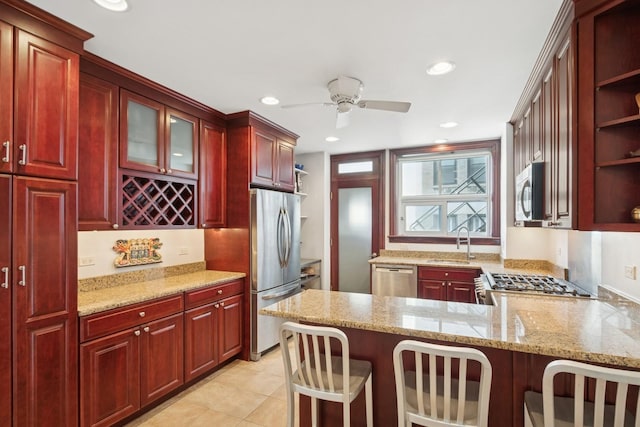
241	394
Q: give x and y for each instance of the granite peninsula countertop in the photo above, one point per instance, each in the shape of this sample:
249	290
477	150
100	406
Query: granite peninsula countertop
97	300
591	330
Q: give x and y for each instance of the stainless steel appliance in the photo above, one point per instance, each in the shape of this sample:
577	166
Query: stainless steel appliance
394	280
535	284
275	261
530	193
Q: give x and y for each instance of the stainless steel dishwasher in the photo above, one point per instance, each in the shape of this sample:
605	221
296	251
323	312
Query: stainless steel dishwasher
394	280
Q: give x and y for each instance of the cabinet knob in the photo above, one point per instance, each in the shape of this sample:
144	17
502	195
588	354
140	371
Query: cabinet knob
219	291
217	306
137	333
163	170
221	304
7	151
115	226
142	314
203	225
146	329
446	274
443	283
169	171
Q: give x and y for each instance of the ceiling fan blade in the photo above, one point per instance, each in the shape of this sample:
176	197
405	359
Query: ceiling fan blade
342	120
309	104
400	107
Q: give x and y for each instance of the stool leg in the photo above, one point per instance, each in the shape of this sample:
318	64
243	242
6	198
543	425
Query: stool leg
368	394
290	407
314	412
346	413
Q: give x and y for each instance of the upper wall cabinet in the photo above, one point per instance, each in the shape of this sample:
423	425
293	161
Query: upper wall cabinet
544	122
38	106
213	175
609	123
157	139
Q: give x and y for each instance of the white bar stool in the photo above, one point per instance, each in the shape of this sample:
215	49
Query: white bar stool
546	409
429	399
320	375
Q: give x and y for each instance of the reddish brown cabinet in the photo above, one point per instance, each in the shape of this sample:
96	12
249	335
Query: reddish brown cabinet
41	279
97	154
447	284
213	175
156	138
268	149
40	112
129	357
608	63
213	327
6	286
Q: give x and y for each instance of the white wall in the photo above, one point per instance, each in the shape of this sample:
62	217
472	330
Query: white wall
98	245
315	230
620	250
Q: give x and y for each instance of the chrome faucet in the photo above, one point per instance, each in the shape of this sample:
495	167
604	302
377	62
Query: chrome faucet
466	240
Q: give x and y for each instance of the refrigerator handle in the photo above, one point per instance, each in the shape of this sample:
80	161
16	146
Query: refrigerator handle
289	238
279	240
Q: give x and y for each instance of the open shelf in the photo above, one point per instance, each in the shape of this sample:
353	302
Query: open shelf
624	121
621	162
626	78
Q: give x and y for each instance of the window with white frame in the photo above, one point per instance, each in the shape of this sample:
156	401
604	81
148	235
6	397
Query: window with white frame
437	193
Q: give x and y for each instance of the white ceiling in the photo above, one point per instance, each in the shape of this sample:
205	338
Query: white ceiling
229	53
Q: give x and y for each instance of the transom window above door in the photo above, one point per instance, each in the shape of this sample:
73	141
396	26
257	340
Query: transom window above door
437	190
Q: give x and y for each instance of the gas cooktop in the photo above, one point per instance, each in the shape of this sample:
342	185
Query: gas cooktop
533	283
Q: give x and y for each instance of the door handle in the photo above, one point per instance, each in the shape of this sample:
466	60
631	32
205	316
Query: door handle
23	159
23	269
7	151
281	294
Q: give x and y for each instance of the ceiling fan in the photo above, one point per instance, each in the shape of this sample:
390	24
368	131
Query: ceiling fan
345	93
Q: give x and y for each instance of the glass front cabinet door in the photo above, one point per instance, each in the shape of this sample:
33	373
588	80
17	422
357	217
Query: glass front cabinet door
155	138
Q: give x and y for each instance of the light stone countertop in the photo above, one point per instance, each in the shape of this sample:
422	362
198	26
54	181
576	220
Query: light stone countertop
576	328
94	301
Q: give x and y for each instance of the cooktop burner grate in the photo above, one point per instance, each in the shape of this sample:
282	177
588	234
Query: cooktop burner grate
532	283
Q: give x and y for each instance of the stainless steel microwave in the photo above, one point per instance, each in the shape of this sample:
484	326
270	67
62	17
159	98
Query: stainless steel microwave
530	193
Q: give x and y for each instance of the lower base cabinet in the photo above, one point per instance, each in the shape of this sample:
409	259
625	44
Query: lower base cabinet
124	371
447	284
213	327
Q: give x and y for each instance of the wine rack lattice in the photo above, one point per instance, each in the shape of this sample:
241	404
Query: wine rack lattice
156	202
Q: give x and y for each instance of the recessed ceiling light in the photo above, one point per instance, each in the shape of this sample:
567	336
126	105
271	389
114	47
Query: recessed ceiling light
448	125
270	100
440	68
113	5
440	141
332	139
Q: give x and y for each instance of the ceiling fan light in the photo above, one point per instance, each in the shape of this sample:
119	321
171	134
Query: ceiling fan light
113	5
440	68
269	100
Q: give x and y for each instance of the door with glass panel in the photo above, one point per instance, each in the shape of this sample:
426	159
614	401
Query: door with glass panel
356	219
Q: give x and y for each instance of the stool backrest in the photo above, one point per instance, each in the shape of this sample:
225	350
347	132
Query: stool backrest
448	355
312	361
602	375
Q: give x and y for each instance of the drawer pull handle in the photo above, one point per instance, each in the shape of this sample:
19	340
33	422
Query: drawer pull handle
7	151
221	304
137	333
217	306
142	314
5	284
219	291
23	159
146	329
23	281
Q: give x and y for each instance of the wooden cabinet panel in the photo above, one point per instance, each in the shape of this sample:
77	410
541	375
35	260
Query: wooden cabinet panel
213	175
181	144
46	108
110	321
201	344
230	327
264	150
202	296
6	97
161	353
548	129
432	289
285	163
447	284
97	154
110	378
5	297
141	129
44	302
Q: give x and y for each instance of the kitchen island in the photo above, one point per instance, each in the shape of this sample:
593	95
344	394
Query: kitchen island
520	335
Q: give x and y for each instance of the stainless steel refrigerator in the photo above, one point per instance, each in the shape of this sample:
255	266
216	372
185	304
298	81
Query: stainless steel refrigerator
275	261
